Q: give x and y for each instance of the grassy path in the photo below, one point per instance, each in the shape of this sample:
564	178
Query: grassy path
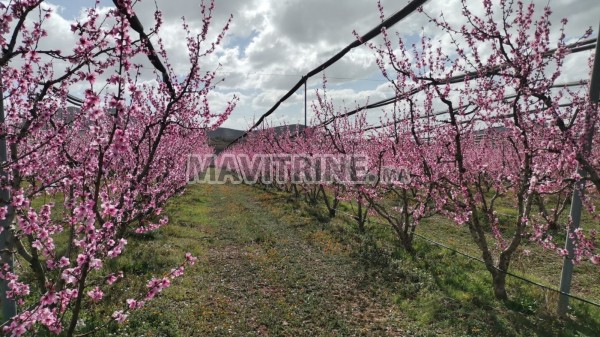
270	266
263	272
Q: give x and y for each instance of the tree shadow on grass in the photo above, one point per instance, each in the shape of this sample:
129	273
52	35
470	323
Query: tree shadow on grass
526	313
447	292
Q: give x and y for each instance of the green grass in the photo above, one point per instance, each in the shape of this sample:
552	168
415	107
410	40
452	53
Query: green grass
541	265
271	266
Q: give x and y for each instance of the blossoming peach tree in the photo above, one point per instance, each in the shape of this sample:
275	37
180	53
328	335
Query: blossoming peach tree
107	168
507	127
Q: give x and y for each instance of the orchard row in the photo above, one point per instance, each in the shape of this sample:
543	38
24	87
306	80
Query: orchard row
488	124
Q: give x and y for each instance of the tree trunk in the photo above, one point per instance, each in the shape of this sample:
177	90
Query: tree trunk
552	224
499	284
331	206
407	244
360	219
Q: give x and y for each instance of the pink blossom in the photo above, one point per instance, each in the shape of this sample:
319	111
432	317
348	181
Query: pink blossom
119	316
96	294
191	259
133	304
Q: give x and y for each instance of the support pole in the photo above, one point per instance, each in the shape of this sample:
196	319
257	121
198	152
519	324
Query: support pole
567	269
305	119
579	189
9	307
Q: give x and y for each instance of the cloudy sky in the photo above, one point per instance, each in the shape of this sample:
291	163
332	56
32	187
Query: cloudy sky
272	43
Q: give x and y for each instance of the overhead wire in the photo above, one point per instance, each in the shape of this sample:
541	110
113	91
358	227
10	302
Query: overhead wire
443	112
392	20
576	47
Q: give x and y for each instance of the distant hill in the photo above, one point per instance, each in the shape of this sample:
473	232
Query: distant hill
225	134
231	134
221	137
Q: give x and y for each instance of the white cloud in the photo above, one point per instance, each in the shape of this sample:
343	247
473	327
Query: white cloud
271	44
